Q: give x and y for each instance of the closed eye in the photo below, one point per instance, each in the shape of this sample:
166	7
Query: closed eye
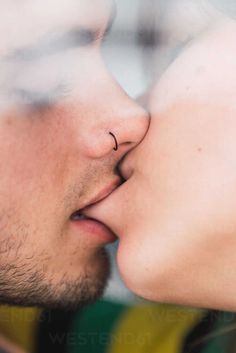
41	100
56	42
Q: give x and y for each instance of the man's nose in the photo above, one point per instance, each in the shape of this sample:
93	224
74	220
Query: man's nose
119	125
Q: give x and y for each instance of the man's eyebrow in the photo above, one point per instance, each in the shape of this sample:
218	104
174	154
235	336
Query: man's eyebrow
54	42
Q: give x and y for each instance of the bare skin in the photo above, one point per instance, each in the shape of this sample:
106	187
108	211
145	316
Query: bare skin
58	105
175	215
8	347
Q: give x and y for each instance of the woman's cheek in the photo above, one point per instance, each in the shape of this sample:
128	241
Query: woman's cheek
142	258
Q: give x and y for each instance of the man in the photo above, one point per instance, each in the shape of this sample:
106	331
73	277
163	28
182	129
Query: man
65	124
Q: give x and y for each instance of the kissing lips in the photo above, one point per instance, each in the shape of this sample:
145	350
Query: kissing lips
96	230
87	225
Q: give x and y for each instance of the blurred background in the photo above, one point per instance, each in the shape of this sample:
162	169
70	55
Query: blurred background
123	52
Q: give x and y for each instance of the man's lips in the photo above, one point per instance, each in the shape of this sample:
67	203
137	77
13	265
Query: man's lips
102	194
87	225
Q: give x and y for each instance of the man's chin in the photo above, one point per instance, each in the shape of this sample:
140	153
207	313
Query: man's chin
87	289
67	293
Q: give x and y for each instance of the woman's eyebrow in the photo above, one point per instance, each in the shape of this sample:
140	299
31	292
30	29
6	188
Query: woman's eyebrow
111	20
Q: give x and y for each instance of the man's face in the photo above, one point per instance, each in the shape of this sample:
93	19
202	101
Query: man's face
58	104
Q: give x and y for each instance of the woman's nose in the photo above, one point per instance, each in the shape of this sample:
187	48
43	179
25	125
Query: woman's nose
117	127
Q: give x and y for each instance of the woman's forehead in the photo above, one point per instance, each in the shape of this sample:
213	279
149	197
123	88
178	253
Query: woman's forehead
204	72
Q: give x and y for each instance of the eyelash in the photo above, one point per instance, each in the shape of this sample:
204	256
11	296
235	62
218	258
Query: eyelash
101	38
42	100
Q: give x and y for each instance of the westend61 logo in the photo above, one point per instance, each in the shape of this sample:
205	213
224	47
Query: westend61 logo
93	338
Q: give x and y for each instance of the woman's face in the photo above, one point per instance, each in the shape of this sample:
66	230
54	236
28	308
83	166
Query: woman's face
175	214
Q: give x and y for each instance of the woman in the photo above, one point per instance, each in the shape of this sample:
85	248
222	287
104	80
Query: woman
175	214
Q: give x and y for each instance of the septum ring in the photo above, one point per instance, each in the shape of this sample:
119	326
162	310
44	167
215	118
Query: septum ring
116	143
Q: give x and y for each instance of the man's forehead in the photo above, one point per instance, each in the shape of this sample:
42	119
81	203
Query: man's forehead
28	20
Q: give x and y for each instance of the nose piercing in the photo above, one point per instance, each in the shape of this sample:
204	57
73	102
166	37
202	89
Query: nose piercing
116	143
